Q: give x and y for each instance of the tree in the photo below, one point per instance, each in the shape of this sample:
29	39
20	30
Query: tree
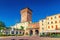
2	25
22	28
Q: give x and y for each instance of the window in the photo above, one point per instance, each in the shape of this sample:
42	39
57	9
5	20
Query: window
42	23
52	26
16	32
42	28
59	16
12	32
59	21
55	21
20	32
6	32
48	22
47	18
51	18
55	17
49	27
42	20
52	22
56	27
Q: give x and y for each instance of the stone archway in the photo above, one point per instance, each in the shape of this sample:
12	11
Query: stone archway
12	32
16	32
31	32
37	32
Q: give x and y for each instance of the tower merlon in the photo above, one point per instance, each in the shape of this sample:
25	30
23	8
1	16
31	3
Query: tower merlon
26	10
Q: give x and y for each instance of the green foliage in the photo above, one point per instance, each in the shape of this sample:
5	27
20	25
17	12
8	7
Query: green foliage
11	35
43	35
29	22
2	25
51	35
55	35
22	28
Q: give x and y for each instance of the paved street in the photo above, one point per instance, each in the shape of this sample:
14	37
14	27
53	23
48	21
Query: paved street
28	38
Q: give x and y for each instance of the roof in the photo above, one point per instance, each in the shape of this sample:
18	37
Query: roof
33	25
27	8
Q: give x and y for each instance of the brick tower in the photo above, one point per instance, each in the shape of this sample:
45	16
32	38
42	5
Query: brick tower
26	15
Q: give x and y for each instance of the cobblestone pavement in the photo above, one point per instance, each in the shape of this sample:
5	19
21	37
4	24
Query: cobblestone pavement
28	38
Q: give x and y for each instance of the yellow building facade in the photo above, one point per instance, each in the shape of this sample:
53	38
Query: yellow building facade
42	24
49	24
53	22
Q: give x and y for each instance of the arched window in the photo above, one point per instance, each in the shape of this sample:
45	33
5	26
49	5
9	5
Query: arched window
20	32
12	32
16	32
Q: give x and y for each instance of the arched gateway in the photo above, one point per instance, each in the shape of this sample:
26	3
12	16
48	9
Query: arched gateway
31	32
37	32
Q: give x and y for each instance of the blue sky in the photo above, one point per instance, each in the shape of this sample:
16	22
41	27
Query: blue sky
10	9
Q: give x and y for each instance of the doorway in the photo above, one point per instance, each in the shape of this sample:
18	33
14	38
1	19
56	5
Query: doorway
31	32
36	32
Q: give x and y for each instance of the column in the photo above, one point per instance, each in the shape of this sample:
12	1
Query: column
33	31
10	31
